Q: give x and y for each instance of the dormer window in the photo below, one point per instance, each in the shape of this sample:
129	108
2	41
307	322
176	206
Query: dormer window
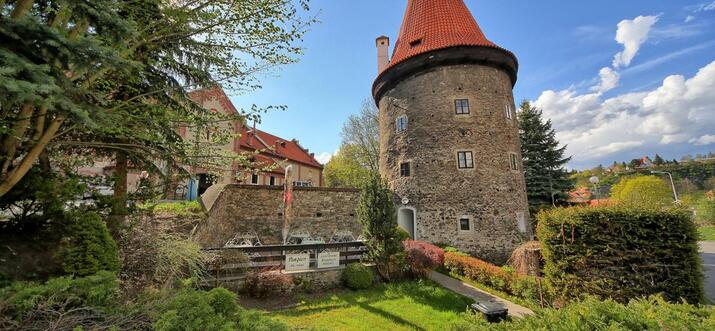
416	43
401	124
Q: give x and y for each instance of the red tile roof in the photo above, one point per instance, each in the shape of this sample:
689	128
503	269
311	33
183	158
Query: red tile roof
431	25
276	146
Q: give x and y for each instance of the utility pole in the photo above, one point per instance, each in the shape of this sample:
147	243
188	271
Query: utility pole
672	184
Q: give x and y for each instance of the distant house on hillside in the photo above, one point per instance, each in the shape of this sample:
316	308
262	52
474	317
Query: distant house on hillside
266	151
580	196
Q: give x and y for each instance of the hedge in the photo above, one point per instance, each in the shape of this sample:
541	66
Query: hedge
499	278
422	257
620	253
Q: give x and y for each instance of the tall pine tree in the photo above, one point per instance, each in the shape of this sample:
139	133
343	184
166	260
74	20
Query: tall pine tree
547	181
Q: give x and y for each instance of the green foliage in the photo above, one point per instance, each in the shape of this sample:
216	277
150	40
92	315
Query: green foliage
345	169
181	208
178	259
99	291
642	191
547	181
653	313
376	212
621	253
357	276
217	309
88	247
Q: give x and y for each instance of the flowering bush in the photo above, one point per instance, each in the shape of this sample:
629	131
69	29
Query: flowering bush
261	284
422	257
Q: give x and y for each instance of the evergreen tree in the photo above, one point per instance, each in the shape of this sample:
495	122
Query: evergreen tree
377	214
547	181
658	160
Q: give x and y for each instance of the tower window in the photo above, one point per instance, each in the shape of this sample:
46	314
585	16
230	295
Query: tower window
461	106
509	111
465	160
401	124
521	222
405	169
513	164
254	179
465	223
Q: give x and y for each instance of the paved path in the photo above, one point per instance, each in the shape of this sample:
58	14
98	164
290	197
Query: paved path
707	253
478	295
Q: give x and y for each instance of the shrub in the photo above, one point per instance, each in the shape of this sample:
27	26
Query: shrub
261	284
621	253
592	314
357	276
213	310
178	259
642	191
88	247
422	257
182	208
376	212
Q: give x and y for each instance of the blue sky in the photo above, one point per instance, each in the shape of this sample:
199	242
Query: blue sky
651	91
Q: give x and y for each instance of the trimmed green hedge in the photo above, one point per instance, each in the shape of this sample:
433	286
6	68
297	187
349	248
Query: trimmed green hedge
621	253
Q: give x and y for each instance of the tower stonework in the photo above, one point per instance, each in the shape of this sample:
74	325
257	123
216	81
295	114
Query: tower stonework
449	140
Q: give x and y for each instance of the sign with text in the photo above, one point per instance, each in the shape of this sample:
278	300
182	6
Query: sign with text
328	259
297	262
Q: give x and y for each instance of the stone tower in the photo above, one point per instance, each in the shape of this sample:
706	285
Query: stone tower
449	141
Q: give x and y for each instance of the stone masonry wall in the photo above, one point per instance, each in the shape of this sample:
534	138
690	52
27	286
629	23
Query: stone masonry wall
242	208
491	193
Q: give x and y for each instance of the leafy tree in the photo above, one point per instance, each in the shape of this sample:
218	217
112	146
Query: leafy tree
658	160
635	163
362	132
642	191
377	214
547	181
113	75
344	170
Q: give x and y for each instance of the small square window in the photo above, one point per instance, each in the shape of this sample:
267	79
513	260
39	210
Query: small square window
401	124
461	106
254	179
513	162
465	224
509	111
465	160
405	169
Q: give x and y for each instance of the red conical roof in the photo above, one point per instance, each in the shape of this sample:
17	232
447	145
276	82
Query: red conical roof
430	25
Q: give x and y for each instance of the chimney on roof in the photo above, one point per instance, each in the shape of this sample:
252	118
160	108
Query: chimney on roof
383	47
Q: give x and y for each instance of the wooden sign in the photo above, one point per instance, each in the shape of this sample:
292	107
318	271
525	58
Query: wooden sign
296	262
328	260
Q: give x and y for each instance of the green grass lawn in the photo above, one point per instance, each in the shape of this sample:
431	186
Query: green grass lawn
707	233
415	305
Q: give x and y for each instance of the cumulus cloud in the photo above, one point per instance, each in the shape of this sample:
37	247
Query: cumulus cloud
680	110
632	34
703	140
324	157
689	18
608	80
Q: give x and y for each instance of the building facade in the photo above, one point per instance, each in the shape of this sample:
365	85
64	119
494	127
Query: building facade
449	140
266	151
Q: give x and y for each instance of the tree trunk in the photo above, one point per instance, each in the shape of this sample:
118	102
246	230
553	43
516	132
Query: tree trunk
119	203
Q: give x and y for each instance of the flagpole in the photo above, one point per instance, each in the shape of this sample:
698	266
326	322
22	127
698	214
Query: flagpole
287	200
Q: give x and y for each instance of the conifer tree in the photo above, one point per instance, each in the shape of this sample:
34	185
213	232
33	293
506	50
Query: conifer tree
658	160
376	212
547	181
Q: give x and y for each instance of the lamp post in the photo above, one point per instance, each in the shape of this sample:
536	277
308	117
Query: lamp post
672	184
594	180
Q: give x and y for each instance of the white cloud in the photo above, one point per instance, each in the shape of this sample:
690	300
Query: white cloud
709	7
609	80
324	157
689	18
632	34
703	140
679	110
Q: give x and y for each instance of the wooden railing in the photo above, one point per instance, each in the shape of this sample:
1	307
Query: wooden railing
273	257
